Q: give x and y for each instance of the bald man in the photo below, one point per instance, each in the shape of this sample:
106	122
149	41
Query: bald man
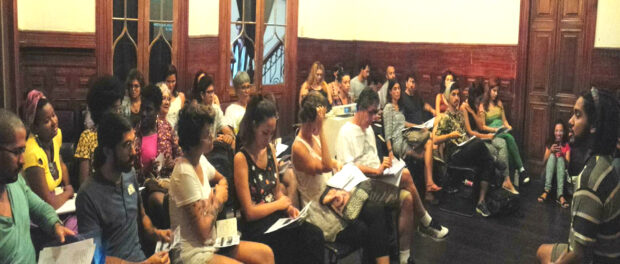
390	74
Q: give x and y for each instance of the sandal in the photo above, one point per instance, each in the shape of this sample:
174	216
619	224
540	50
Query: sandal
433	188
564	204
543	196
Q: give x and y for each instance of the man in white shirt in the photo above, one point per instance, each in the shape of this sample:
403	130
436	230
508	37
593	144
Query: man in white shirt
356	143
204	93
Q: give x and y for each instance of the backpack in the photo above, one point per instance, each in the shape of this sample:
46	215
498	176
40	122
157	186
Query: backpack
502	203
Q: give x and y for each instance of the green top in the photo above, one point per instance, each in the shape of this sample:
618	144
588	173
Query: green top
15	243
494	117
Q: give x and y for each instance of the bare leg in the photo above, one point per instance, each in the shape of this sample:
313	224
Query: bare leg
428	167
252	253
222	259
543	255
383	260
405	223
484	186
406	182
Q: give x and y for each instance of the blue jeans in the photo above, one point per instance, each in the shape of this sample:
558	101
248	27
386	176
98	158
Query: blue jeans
559	166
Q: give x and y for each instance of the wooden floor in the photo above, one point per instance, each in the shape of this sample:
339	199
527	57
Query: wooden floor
496	240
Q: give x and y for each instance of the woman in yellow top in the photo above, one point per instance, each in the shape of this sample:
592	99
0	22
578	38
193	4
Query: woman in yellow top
44	169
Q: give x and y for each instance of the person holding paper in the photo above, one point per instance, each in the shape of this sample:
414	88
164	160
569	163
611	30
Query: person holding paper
492	112
156	149
44	169
194	205
109	203
356	143
19	205
414	143
450	129
496	145
313	166
262	201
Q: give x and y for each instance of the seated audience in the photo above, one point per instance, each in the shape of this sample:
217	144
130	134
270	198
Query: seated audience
313	166
44	169
177	99
193	204
450	129
356	143
262	202
360	82
341	87
557	156
315	82
236	110
441	100
390	75
496	145
154	137
491	111
203	94
130	106
197	77
103	96
595	210
415	111
18	204
109	202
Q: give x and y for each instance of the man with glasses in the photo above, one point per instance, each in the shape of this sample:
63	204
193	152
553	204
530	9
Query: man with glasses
18	204
109	202
204	93
356	143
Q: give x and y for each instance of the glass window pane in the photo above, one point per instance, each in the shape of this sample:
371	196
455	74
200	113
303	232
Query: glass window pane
273	42
155	10
165	28
132	8
132	29
242	35
168	8
117	28
160	58
118	8
125	58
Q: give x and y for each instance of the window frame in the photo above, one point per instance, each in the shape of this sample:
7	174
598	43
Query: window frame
290	50
105	40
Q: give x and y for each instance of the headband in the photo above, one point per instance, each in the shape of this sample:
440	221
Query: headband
30	109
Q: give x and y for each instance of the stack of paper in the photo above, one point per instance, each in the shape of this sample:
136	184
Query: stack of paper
165	246
80	252
67	207
393	174
347	178
466	141
226	233
283	222
428	124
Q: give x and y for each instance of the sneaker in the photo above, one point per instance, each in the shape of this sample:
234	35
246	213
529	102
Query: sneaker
524	177
410	260
482	209
434	231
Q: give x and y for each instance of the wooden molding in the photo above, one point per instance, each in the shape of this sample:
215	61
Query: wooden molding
103	36
56	39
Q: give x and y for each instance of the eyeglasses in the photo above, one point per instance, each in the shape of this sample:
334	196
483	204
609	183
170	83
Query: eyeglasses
210	91
15	152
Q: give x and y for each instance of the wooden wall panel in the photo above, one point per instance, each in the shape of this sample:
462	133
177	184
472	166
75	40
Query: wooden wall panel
606	68
203	54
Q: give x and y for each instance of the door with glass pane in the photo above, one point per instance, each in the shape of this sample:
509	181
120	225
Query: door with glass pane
142	37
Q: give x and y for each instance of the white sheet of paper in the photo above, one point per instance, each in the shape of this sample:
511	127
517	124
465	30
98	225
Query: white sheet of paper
80	252
160	158
347	178
280	148
428	124
226	233
282	222
67	207
466	141
393	174
165	246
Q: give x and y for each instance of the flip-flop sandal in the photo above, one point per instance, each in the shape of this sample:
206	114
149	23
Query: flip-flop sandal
543	196
564	204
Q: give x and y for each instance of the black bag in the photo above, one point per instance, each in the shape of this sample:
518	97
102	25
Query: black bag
502	203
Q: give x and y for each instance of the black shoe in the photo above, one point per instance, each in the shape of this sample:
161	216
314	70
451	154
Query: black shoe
482	209
410	260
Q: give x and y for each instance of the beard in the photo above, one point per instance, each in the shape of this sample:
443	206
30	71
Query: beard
10	178
124	166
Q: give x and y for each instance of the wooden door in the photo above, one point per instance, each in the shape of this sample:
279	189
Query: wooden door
559	49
